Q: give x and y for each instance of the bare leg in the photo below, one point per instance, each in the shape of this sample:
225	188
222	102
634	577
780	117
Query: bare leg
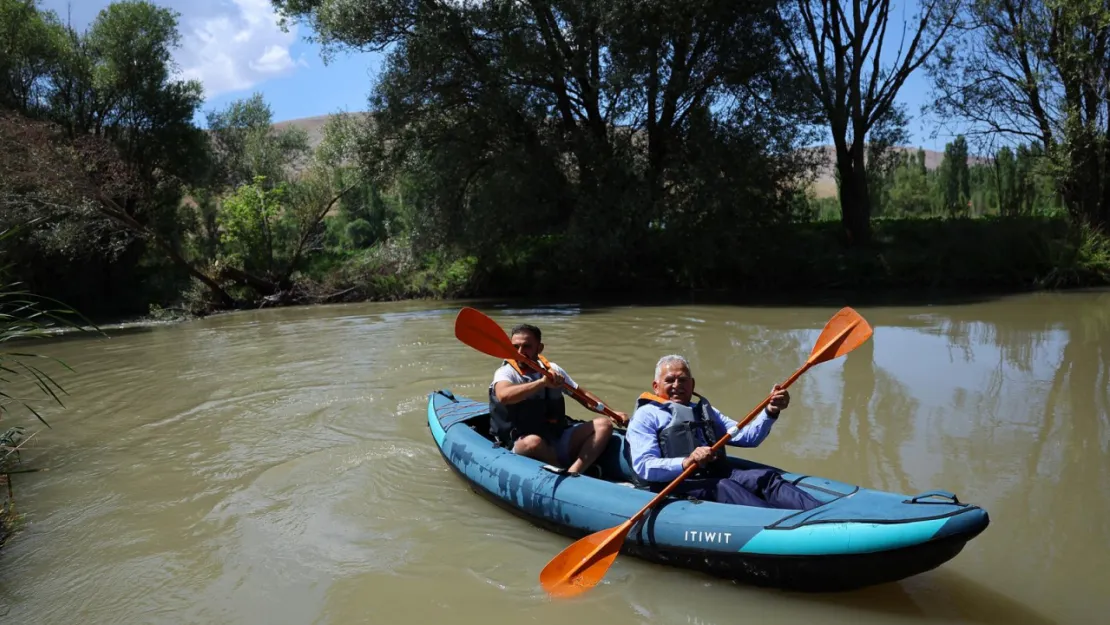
587	443
532	446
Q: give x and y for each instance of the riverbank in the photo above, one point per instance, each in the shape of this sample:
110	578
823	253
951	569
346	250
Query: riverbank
800	262
910	260
11	440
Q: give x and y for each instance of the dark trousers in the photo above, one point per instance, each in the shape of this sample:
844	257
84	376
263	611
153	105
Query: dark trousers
761	488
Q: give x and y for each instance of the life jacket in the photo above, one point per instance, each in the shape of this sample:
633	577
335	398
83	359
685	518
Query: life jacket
542	414
690	428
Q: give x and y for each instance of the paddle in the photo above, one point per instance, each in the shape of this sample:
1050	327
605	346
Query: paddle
483	334
581	566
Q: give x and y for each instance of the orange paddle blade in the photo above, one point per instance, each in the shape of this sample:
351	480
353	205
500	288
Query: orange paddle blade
846	331
582	565
483	334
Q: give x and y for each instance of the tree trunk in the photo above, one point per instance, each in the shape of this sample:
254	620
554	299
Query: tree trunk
655	141
284	282
855	201
263	286
212	285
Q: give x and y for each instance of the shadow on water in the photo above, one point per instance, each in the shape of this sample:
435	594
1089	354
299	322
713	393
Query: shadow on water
539	306
941	595
599	303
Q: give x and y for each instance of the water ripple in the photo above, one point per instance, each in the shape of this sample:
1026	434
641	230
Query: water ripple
275	466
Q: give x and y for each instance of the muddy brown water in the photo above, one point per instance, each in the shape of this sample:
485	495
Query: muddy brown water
275	466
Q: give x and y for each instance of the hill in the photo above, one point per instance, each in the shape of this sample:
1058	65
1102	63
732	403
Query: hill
823	186
314	126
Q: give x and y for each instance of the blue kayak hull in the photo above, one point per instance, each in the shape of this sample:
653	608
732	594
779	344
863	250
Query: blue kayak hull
859	537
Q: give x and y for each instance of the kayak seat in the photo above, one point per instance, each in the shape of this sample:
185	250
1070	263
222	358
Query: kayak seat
616	461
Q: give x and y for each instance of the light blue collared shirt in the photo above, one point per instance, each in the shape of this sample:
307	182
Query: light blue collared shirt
649	420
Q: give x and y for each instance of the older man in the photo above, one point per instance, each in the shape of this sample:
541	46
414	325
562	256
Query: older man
668	433
528	411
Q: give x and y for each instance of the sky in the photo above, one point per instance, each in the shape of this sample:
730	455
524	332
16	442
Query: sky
236	48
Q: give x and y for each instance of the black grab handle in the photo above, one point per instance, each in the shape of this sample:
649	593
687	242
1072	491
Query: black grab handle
934	493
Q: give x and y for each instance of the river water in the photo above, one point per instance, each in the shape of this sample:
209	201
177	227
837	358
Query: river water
275	467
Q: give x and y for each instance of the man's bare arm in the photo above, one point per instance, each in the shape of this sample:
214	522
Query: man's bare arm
508	393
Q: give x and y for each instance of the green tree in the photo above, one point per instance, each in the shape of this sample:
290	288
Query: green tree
366	206
1037	70
882	159
30	44
909	187
360	234
955	178
249	226
267	231
111	92
246	145
43	170
501	128
1006	182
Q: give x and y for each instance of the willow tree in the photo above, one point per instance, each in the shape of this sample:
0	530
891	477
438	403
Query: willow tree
840	47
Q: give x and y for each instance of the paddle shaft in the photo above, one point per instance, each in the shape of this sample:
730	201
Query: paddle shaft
577	393
623	528
812	360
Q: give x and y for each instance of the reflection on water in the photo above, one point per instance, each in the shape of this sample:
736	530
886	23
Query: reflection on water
273	466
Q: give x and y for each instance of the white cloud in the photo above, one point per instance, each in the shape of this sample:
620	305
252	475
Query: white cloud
232	45
275	59
228	45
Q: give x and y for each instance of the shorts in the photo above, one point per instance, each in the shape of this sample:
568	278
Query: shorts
562	445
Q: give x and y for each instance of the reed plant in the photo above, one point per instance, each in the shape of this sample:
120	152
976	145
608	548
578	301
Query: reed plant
25	317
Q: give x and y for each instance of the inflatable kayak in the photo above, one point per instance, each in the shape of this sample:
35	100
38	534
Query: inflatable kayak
858	536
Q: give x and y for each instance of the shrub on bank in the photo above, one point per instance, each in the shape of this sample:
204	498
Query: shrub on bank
909	253
386	271
981	253
994	252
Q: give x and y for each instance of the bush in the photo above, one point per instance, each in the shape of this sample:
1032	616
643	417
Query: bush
359	234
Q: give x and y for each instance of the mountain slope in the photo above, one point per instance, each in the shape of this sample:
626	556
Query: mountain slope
823	186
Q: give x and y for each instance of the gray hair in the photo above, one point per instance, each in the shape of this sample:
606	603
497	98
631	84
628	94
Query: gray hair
671	359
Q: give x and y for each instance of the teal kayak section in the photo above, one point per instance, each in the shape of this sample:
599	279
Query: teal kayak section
853	519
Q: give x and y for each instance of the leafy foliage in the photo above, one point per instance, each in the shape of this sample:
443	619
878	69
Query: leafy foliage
247	147
249	225
1037	71
572	119
528	148
111	85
